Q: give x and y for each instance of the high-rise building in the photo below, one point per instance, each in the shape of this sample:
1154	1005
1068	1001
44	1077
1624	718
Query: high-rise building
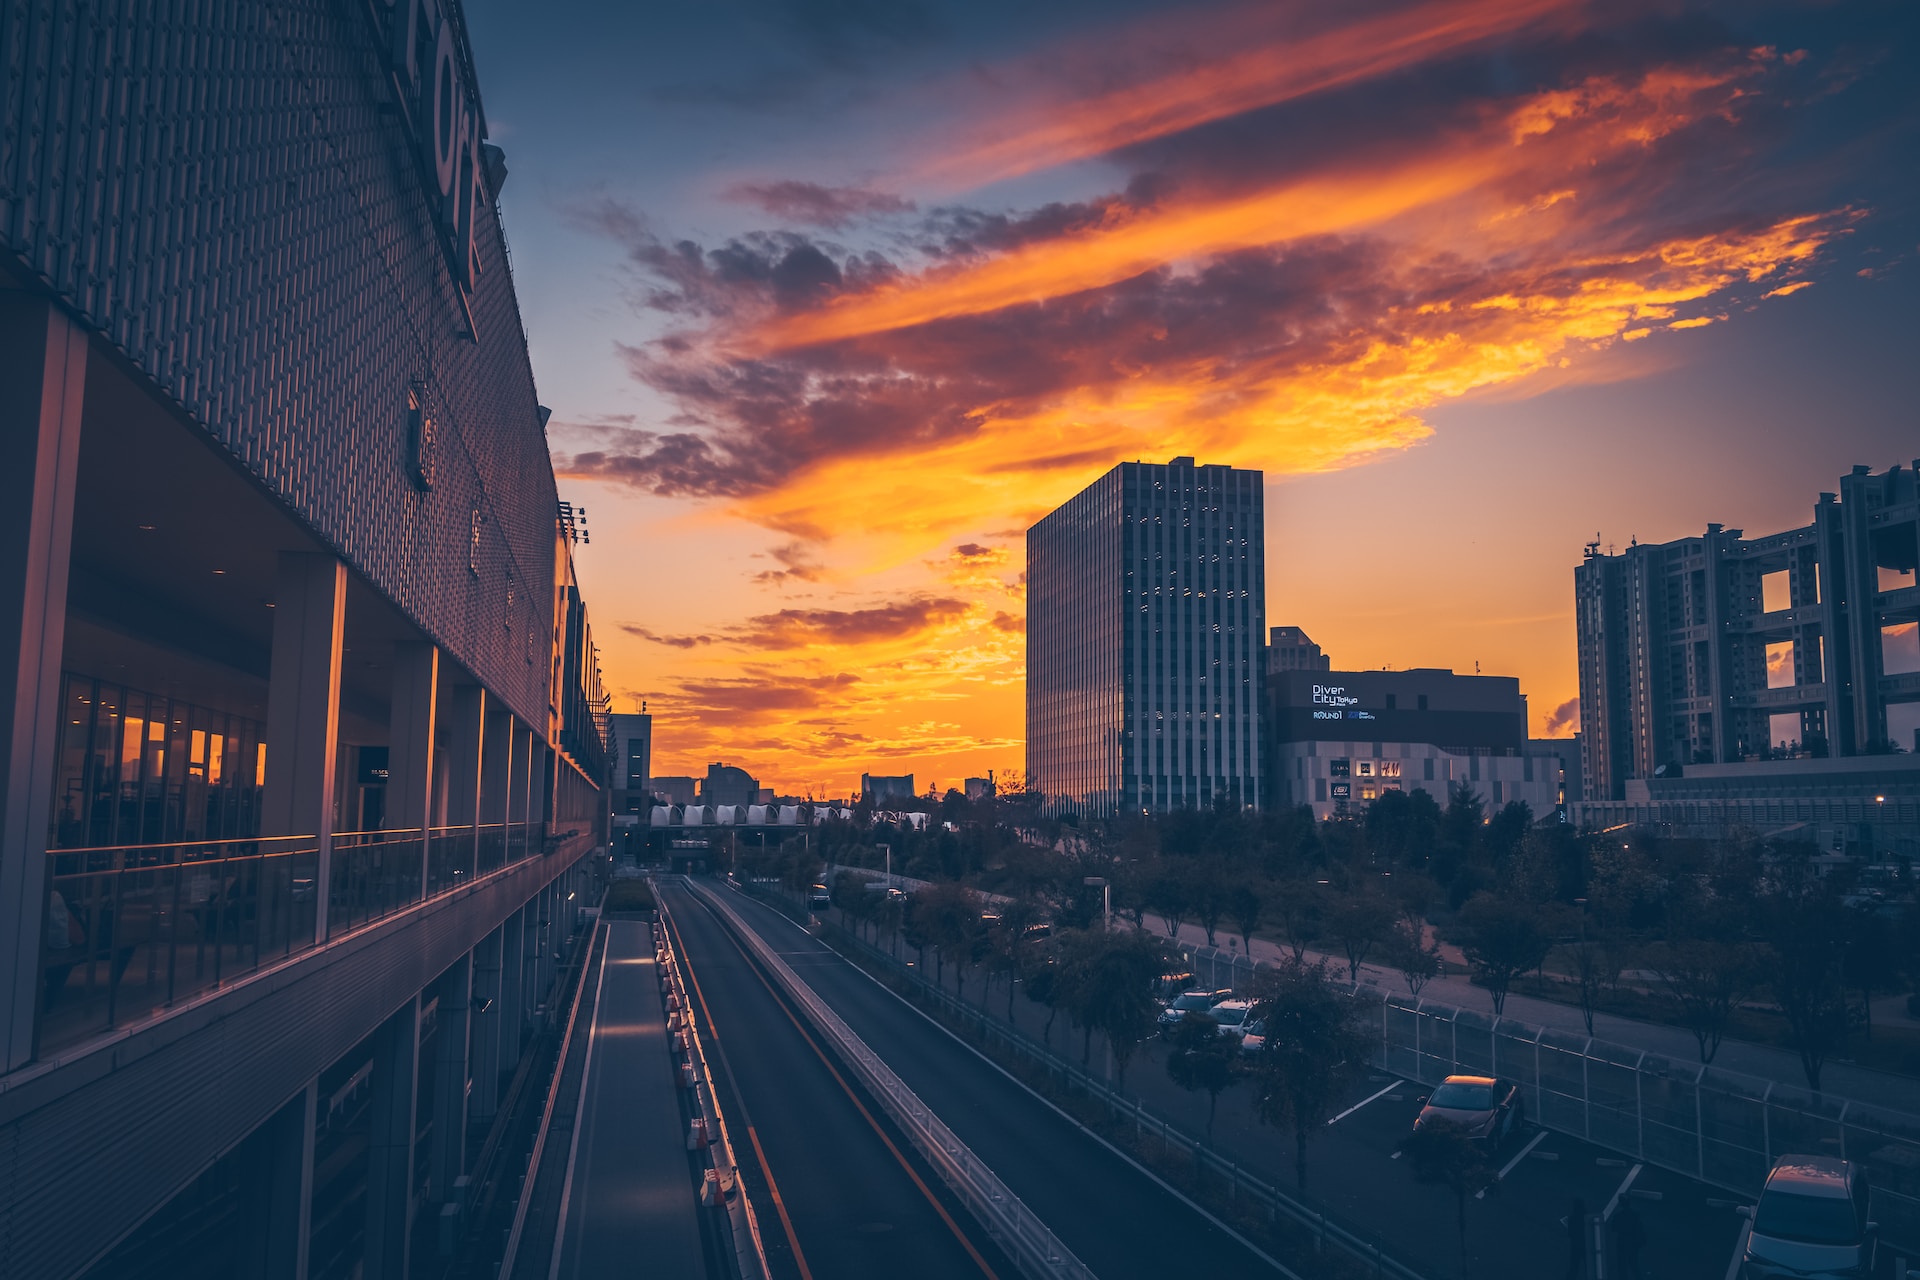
1292	649
303	756
1146	613
633	761
878	788
1721	648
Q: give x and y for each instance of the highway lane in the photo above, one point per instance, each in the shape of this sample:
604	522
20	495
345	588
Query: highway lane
837	1189
631	1191
1117	1219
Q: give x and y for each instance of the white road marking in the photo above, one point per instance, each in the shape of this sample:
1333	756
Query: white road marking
1626	1182
1502	1175
1739	1252
1363	1102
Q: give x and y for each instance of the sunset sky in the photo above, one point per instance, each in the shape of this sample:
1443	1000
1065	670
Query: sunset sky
832	300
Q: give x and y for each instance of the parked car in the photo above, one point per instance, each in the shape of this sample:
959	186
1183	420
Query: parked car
1187	1002
1171	985
818	899
1487	1108
1253	1036
1811	1221
1232	1016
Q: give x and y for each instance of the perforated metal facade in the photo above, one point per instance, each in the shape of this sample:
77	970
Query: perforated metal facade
233	197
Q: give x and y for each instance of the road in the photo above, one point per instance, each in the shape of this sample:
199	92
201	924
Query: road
630	1188
838	1191
1116	1218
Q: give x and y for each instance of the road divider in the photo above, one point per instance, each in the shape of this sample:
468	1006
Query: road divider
1013	1226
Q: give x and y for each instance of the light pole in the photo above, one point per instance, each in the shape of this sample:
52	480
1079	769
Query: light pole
1106	897
888	850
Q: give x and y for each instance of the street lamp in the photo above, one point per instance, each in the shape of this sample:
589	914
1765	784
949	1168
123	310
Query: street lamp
1106	897
888	850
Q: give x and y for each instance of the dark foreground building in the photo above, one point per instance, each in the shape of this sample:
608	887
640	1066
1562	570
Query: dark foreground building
304	747
1146	622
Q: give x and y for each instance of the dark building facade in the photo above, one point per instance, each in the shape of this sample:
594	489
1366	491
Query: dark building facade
306	765
1721	648
1146	616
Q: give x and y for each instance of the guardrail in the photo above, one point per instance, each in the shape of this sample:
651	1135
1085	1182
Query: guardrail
1013	1226
749	1252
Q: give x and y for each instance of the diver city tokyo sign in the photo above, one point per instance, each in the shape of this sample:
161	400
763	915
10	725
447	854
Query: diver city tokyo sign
441	107
1333	702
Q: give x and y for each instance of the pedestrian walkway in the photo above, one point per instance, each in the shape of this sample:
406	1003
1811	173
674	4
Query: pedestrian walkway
1762	1062
631	1205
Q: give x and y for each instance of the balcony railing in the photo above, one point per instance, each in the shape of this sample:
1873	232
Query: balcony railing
133	929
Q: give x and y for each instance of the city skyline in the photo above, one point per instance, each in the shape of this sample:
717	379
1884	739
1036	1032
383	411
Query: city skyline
831	307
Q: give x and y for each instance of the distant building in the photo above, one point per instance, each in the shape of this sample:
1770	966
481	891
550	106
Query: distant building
1720	649
875	788
633	756
764	795
726	784
978	788
1290	649
1338	740
675	790
1146	612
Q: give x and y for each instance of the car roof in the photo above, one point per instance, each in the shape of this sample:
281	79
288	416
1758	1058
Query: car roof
1469	1080
1236	1004
1810	1175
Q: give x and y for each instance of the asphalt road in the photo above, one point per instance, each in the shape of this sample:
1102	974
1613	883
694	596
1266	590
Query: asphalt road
1118	1220
837	1190
631	1194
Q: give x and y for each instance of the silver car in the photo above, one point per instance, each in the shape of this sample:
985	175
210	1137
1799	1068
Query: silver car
1811	1222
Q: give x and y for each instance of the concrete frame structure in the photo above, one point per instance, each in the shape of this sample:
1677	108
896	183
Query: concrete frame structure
304	768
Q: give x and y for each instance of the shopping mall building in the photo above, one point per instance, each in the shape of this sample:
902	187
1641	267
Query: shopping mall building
304	755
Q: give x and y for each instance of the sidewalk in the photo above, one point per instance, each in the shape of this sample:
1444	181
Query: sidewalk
1763	1062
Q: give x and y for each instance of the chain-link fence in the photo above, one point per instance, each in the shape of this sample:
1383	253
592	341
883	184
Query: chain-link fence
1722	1127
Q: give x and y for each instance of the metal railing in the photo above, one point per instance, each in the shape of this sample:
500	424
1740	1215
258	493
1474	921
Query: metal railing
1026	1239
131	929
1720	1127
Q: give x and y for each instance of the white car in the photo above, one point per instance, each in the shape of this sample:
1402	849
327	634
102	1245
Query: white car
1232	1016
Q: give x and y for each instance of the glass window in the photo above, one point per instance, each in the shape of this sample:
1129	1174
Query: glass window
1782	1215
1900	648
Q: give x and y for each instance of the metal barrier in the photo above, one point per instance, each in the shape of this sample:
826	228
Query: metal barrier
1721	1127
131	929
749	1252
1016	1228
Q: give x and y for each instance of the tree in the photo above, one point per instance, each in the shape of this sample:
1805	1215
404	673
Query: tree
1167	893
1202	1058
1209	894
1501	939
1298	906
950	914
1358	922
1243	909
1042	988
1007	947
1597	960
1417	959
1802	967
1869	958
1106	982
1706	979
1318	1042
1443	1153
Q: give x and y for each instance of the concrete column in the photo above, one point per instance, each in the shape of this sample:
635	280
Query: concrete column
484	1037
523	794
392	1125
513	993
450	1079
496	764
279	1190
466	713
410	731
43	369
303	708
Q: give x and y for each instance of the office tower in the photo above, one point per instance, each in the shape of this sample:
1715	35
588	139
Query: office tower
1146	613
1721	648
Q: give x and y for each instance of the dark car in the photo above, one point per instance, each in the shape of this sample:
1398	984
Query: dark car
1487	1108
1185	1003
1811	1221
